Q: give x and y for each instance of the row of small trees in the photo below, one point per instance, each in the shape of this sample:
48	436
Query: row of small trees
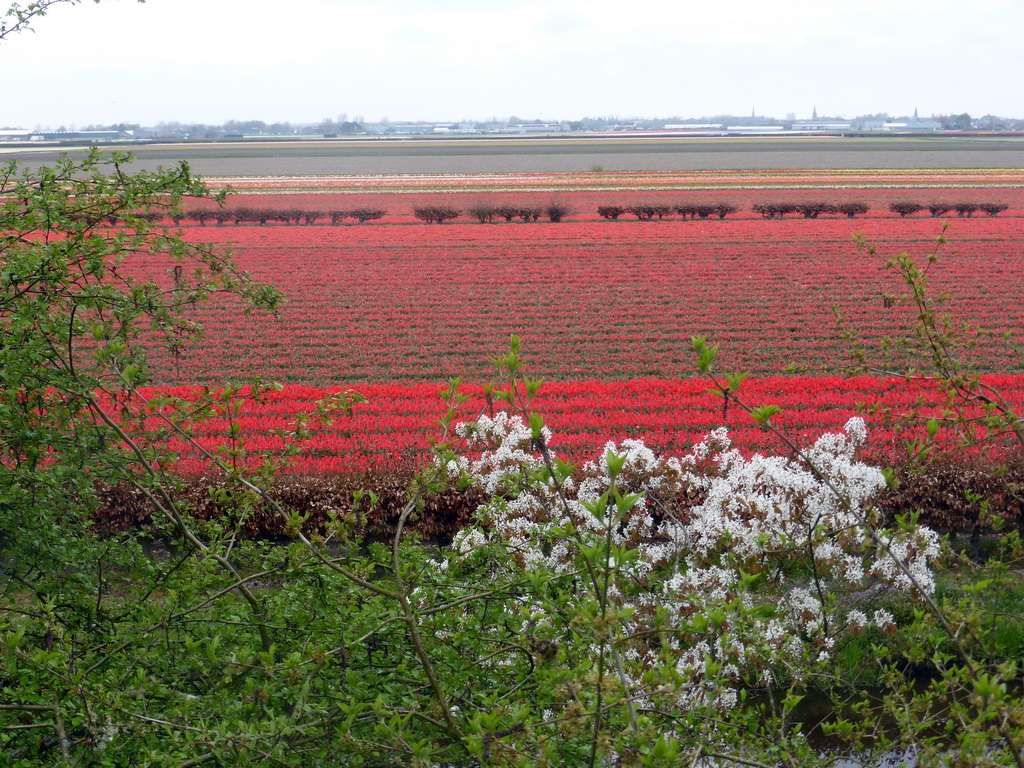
556	211
246	215
486	213
649	211
814	209
963	209
810	210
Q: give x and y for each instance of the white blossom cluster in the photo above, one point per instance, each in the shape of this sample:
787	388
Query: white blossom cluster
802	526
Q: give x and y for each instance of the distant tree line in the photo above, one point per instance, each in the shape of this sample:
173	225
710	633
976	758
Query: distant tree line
810	210
963	209
262	216
650	211
487	213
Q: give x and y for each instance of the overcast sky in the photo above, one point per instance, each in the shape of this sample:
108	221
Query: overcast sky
304	60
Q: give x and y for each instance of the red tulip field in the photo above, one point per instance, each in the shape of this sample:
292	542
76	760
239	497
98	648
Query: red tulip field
392	429
605	309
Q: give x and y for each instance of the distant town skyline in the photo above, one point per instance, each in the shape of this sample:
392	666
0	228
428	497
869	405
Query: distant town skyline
451	60
344	124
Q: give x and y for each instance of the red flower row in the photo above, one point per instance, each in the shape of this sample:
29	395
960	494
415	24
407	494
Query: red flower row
396	424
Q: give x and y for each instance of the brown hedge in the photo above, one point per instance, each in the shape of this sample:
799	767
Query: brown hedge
939	492
122	507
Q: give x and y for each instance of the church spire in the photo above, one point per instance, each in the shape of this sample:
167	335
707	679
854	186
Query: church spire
814	112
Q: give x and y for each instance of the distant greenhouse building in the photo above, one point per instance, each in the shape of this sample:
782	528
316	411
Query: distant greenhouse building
913	124
825	125
822	124
82	135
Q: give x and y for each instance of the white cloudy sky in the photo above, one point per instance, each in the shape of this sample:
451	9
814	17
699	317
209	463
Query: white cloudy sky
304	60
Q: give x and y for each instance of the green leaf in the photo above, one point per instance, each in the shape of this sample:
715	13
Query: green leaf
536	425
736	380
763	414
705	354
625	503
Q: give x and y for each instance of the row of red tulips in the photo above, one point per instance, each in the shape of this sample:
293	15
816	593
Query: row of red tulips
393	425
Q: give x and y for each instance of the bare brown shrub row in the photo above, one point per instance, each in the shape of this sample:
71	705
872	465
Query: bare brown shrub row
939	492
246	215
649	211
811	209
556	211
963	209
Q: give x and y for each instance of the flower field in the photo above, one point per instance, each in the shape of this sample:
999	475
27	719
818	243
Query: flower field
395	426
605	309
